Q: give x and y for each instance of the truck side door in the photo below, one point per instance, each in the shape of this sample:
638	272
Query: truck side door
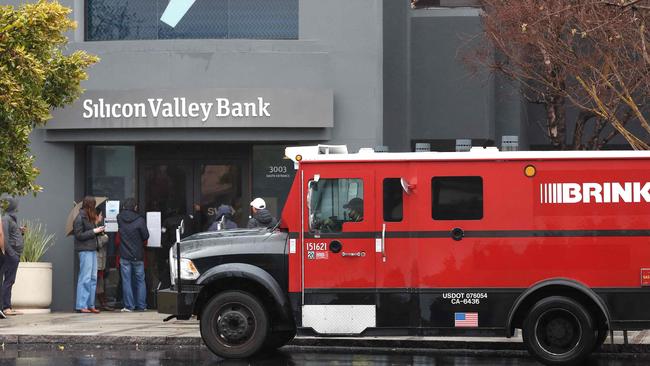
338	252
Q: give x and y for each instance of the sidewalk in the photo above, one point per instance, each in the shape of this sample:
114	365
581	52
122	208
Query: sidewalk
148	329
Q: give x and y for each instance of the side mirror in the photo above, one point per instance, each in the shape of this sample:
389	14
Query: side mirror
406	186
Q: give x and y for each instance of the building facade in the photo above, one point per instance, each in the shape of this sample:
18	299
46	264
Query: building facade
187	117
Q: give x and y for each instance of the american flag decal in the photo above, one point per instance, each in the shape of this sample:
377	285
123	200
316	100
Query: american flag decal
465	319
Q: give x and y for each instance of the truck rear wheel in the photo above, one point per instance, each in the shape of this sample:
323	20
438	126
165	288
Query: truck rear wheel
559	331
234	324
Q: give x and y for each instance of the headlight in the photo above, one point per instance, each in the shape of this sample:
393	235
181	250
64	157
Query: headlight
188	269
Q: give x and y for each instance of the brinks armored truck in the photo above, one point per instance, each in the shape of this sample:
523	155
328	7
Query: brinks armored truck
484	242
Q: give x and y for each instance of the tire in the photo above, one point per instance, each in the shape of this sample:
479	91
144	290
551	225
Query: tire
234	324
279	339
559	331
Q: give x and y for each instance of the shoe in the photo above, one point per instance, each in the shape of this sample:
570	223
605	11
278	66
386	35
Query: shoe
11	312
94	311
140	310
85	311
126	310
2	315
106	308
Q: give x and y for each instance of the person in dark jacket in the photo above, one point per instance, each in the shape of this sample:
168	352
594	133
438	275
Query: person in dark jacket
85	244
223	219
133	233
261	216
13	250
2	257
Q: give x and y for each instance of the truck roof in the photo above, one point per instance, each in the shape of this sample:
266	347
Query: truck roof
307	154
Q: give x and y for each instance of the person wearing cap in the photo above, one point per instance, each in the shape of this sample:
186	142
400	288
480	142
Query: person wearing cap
355	209
261	216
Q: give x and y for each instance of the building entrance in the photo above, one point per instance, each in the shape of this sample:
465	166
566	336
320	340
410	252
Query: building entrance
194	190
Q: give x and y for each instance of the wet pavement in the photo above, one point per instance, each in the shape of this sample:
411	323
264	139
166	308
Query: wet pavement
288	356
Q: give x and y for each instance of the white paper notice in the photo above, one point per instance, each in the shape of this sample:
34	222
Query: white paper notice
112	209
153	224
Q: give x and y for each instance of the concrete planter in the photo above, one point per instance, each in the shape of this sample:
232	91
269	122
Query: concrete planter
32	292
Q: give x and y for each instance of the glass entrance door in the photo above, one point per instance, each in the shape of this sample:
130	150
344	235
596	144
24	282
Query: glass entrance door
219	184
193	190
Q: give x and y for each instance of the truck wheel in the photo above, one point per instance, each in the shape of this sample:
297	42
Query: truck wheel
276	340
234	324
559	331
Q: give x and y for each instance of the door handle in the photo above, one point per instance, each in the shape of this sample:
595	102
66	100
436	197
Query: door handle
457	234
355	254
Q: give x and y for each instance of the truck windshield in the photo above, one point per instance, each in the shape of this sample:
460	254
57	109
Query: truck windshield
333	202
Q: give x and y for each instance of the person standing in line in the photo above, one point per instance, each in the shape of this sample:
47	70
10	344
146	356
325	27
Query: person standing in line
85	244
2	256
14	249
102	244
223	219
133	233
261	216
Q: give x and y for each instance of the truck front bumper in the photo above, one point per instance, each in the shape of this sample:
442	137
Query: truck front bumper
181	305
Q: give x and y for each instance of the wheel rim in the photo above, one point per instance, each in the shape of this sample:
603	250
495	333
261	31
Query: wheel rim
235	324
558	331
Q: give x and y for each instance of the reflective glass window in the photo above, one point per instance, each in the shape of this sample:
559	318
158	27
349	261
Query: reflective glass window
108	20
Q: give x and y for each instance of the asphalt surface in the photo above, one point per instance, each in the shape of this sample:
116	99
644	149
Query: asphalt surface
61	355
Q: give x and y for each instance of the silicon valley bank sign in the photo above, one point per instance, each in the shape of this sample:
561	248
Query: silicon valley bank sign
179	107
198	108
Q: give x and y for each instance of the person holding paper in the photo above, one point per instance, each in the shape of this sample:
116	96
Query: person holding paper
133	233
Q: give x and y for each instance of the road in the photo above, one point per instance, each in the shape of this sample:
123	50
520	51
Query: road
61	355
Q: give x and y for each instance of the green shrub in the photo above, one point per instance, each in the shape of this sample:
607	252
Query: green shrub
37	241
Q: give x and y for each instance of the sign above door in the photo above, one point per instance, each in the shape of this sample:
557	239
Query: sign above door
198	108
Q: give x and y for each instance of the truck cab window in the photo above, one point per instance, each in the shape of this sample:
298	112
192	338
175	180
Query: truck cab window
457	198
393	200
333	202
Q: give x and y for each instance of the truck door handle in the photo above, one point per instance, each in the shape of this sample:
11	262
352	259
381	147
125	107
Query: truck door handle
457	234
356	254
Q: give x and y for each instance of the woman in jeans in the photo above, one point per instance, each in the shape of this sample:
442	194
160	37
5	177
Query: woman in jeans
85	243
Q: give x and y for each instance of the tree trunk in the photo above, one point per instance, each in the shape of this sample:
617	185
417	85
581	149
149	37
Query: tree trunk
556	121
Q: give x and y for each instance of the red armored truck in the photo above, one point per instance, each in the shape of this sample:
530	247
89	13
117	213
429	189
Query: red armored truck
470	243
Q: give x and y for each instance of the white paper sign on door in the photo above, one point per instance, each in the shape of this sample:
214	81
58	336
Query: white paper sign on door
154	227
112	209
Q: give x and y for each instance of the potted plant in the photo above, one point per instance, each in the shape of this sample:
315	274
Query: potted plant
32	292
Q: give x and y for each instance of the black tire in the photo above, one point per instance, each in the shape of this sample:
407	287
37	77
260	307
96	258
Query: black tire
559	331
277	340
234	324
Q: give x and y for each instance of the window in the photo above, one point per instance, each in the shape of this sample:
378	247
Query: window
111	171
109	20
457	198
333	202
393	200
426	4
